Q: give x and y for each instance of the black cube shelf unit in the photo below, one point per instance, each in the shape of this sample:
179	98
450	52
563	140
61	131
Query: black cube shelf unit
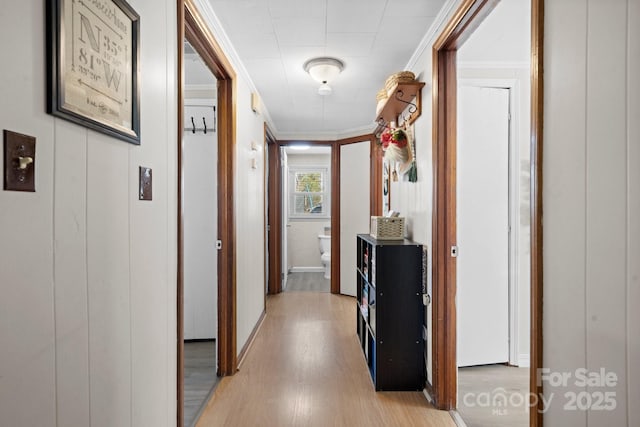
390	313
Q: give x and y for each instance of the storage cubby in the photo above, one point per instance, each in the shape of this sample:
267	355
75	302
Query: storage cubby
390	313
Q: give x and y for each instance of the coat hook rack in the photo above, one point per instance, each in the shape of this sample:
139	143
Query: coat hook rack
204	129
403	106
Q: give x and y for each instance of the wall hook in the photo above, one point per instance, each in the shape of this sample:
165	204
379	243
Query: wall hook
215	120
205	125
193	124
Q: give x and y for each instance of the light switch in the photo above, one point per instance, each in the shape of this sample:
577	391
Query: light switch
19	161
145	186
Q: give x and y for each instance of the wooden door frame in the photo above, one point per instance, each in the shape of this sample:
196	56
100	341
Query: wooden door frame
192	27
461	25
276	214
275	207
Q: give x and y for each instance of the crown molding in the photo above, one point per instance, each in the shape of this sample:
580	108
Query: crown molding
326	135
432	33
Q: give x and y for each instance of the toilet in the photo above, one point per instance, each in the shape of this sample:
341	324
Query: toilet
324	244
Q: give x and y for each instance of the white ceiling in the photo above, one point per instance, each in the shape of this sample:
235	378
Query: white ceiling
273	39
503	38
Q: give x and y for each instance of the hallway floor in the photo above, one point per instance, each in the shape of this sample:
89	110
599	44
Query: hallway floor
199	376
306	368
507	386
314	282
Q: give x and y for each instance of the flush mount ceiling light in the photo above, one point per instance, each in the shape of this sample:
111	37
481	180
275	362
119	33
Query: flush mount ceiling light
323	70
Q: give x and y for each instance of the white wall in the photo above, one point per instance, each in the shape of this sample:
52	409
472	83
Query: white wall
250	226
87	272
200	221
303	246
592	202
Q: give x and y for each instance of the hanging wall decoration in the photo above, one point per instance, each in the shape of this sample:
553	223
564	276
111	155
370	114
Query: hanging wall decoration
399	149
412	173
93	63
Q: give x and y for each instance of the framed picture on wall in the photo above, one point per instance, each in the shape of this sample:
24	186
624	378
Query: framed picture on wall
93	63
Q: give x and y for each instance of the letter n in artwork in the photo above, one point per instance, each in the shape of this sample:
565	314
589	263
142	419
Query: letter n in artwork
85	27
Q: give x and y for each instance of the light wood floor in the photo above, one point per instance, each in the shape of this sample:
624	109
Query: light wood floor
199	377
506	385
306	368
307	281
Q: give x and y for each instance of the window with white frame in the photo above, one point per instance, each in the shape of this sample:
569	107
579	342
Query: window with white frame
309	192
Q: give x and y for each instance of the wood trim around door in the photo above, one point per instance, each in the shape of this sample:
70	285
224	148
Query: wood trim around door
274	209
192	27
537	107
461	25
335	218
376	154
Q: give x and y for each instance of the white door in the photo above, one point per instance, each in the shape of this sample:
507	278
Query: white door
483	226
354	208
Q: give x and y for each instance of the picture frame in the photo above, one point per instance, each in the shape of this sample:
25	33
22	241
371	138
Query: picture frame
93	59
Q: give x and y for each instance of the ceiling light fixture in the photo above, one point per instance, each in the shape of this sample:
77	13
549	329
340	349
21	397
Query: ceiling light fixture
323	70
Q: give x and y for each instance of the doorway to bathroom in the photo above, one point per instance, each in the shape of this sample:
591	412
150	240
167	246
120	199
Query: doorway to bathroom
306	218
352	183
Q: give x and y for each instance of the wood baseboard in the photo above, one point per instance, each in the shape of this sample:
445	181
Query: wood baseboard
252	337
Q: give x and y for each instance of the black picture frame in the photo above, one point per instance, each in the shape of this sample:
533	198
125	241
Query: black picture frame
93	60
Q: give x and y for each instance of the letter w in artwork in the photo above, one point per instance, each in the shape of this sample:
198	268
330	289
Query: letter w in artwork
112	76
85	26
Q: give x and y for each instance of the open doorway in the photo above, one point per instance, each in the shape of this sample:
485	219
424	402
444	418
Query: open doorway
361	170
191	29
451	195
493	223
306	207
200	220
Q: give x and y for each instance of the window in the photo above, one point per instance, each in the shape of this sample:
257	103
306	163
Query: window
309	194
